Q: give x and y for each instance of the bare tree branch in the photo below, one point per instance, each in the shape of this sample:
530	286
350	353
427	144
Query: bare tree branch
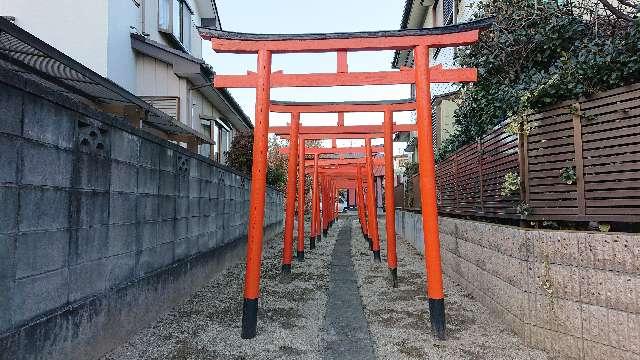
615	11
629	4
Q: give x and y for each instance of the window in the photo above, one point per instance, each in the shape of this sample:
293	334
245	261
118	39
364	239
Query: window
434	14
448	17
220	133
447	12
174	17
224	141
215	133
205	149
164	15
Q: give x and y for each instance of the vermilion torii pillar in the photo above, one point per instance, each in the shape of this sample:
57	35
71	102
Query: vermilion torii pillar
365	132
330	167
390	210
287	248
361	207
319	220
301	201
420	41
372	209
315	228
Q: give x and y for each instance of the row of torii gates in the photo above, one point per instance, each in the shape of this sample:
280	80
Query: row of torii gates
330	175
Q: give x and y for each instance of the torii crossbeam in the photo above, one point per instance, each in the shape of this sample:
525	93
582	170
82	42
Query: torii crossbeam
420	41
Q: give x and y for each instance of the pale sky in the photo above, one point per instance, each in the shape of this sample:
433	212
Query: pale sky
295	16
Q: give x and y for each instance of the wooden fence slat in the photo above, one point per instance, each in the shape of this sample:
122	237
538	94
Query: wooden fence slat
579	159
601	141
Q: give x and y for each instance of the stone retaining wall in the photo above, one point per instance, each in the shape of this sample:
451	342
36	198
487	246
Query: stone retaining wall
102	226
573	294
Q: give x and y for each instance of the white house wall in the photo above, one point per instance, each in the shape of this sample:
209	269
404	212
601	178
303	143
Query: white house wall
77	28
203	106
121	60
156	78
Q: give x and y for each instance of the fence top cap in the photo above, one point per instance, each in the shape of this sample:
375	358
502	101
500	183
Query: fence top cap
480	24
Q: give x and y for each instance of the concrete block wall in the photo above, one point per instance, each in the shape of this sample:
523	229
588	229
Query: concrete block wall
95	213
573	294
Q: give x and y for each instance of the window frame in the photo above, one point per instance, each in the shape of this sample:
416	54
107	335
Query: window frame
182	35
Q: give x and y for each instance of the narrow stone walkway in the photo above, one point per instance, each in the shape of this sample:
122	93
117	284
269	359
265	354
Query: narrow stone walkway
346	329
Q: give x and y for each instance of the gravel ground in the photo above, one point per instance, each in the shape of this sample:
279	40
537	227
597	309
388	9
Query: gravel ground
207	325
291	318
399	319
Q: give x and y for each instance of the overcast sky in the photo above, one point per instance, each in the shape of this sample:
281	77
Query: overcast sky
295	16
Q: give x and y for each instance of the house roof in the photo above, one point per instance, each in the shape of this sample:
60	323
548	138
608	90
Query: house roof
208	9
24	53
405	15
404	23
437	99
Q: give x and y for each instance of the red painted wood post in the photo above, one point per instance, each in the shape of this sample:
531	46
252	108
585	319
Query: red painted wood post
358	204
323	206
389	198
334	211
326	205
287	249
373	211
433	267
361	205
257	197
320	212
315	205
329	204
334	205
336	195
301	202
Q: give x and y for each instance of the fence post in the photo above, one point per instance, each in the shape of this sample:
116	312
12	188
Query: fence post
579	159
523	164
455	181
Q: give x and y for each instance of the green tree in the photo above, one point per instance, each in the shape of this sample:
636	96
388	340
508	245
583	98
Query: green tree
539	53
277	165
240	154
240	157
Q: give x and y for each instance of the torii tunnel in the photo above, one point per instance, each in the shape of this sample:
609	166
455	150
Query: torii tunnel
420	42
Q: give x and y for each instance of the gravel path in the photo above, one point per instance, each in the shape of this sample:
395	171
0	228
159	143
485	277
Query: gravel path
207	325
399	319
346	330
317	313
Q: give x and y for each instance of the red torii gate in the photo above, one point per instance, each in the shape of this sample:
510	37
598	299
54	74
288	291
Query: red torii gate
315	234
368	132
420	41
366	216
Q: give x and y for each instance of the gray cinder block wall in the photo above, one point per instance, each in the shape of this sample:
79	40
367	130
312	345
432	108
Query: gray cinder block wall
103	227
573	294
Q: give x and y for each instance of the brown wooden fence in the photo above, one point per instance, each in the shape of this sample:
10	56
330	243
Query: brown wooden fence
597	137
